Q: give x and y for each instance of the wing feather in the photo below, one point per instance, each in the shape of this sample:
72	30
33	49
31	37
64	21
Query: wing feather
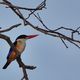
10	51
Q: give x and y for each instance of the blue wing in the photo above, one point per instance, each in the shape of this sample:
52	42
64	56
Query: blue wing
10	51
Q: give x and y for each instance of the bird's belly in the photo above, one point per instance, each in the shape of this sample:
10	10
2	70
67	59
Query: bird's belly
20	48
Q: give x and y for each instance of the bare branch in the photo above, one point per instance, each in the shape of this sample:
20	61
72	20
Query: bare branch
23	8
74	43
43	29
24	67
39	18
39	7
6	38
25	76
10	28
64	43
48	32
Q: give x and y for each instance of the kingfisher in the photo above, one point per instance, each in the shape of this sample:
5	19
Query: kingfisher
19	44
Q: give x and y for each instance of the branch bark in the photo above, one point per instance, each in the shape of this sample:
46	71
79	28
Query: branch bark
46	31
10	28
24	67
43	29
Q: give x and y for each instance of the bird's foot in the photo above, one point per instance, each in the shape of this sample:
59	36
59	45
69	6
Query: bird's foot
27	66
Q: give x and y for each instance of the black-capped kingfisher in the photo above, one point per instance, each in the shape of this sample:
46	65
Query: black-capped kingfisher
19	44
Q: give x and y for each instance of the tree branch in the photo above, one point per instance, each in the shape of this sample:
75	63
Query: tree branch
48	31
43	29
24	67
6	38
10	28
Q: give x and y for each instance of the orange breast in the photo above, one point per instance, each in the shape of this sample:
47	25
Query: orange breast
12	56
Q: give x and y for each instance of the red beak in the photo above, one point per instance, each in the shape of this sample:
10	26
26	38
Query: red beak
31	36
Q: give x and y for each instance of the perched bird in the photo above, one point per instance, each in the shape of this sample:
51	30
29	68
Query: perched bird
19	44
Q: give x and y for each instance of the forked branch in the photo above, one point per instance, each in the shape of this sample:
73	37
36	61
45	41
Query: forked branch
43	29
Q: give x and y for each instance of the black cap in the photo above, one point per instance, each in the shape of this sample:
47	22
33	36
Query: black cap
21	36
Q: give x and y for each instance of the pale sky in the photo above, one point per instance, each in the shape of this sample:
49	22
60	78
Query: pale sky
53	60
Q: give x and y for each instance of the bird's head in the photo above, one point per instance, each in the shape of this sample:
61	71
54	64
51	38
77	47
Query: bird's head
26	37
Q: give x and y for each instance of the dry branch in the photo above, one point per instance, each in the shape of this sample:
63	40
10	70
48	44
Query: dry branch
43	29
24	67
10	28
47	31
6	38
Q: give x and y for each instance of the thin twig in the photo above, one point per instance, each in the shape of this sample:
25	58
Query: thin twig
39	7
18	7
64	43
74	44
10	28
